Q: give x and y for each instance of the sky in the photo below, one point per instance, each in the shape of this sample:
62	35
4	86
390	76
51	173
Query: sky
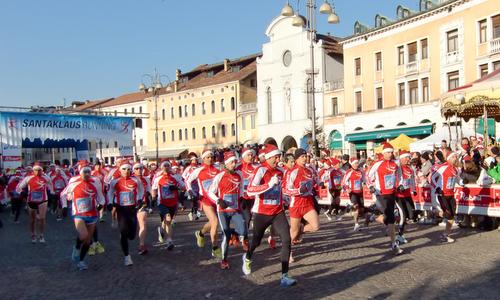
53	51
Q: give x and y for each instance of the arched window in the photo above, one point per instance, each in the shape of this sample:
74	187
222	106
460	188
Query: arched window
203	133
203	110
186	134
180	134
172	135
379	126
193	109
233	129
358	128
233	103
425	121
185	111
222	108
213	131
163	114
180	111
193	133
401	124
213	107
269	106
164	136
172	112
223	130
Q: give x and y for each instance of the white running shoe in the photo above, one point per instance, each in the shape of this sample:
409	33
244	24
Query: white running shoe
128	261
357	228
247	265
160	235
82	265
401	239
41	239
327	216
395	248
190	216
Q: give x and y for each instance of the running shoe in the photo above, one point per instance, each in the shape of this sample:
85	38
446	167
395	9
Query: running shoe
328	216
170	245
190	216
357	227
272	242
92	250
198	215
217	253
59	218
446	239
401	239
287	281
160	235
339	218
224	265
245	245
41	239
102	219
128	261
291	259
82	266
75	255
33	238
200	239
247	265
142	250
99	248
395	248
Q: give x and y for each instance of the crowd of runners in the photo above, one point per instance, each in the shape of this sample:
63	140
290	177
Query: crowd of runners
246	194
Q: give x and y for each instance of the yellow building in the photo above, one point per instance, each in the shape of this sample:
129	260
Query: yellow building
210	106
395	72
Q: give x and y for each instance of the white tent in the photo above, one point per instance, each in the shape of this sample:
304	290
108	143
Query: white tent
434	140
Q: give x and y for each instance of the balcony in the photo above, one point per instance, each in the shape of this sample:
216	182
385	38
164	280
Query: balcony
495	46
330	86
411	67
452	57
248	107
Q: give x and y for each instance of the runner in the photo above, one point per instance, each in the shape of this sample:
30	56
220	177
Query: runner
113	173
266	185
39	186
443	182
87	195
165	190
60	180
193	197
300	184
335	189
128	193
204	177
16	198
384	174
142	213
100	173
353	183
247	169
226	191
406	188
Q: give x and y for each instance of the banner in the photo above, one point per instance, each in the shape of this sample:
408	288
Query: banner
11	156
16	126
476	200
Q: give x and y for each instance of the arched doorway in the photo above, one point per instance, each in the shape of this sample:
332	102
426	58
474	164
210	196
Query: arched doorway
271	141
335	140
288	142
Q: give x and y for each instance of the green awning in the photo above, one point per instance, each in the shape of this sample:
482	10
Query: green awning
480	126
335	140
388	133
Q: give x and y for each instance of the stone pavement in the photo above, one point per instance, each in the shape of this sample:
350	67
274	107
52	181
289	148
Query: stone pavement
333	263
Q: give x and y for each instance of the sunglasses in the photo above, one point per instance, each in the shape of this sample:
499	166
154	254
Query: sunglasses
125	169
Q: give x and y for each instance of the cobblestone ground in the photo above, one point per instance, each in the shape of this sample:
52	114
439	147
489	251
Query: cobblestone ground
333	263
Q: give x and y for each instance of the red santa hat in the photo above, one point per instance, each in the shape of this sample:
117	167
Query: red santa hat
270	151
354	160
206	152
247	151
125	165
165	163
387	148
480	139
403	154
262	153
472	138
138	165
327	163
334	161
37	166
229	156
83	166
175	164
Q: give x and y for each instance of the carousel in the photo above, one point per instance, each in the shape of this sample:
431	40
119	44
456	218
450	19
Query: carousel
477	100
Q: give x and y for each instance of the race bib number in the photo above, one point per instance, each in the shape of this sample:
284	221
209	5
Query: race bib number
272	196
127	198
59	185
83	205
246	182
37	196
166	193
306	186
357	185
231	201
206	184
406	183
195	188
450	184
336	180
389	181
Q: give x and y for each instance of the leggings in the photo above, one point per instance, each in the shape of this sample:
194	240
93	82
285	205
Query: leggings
405	207
195	205
225	219
127	222
17	203
280	226
335	205
246	210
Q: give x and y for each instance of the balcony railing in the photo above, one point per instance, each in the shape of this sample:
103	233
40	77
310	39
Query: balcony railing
452	57
412	67
495	46
333	85
248	107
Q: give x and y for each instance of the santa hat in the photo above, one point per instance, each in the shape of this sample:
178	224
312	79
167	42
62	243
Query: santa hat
37	166
387	148
165	163
83	166
465	147
327	163
334	161
247	151
467	158
152	163
229	156
449	154
18	172
270	151
125	165
175	164
472	138
138	165
480	139
262	153
206	152
354	160
403	154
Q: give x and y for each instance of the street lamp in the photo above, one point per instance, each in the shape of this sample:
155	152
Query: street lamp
154	88
298	21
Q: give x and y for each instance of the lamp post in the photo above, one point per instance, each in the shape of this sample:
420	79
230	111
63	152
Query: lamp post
298	21
154	88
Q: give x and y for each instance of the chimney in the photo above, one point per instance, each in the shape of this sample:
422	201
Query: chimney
176	85
178	74
226	65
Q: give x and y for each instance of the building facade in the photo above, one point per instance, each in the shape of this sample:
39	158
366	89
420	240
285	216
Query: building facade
284	93
395	72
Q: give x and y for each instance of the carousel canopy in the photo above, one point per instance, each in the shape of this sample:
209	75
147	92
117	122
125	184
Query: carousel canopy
473	99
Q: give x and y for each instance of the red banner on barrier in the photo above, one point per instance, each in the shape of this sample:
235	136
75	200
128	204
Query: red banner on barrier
474	199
